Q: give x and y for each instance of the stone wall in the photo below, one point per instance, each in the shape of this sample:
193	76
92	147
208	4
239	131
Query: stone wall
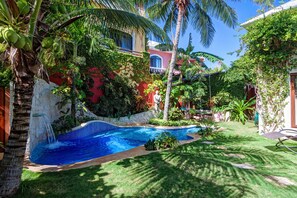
44	111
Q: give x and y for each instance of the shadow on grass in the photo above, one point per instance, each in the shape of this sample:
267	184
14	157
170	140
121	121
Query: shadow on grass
87	182
222	139
197	170
282	149
171	174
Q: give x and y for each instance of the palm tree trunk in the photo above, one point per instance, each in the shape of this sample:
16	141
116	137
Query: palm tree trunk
12	163
172	62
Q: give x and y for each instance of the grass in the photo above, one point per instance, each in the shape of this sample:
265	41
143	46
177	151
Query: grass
192	170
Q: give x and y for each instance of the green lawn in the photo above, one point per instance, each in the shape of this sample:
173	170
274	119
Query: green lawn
192	170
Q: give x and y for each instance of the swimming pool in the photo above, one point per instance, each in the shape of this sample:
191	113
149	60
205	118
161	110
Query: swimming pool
97	139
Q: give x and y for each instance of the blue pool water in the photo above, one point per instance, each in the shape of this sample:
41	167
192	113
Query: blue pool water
98	139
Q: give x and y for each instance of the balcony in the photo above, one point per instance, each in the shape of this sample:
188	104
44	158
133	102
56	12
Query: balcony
135	53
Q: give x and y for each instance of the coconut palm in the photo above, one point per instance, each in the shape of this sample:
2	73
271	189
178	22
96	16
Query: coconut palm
23	28
177	14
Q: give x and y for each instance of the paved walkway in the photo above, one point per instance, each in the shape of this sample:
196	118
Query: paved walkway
117	156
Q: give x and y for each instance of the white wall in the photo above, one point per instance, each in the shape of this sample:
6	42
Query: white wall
287	113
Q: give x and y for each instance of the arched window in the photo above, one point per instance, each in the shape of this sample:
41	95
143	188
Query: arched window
122	39
156	61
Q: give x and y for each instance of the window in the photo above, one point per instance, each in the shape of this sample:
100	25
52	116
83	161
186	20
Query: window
122	39
156	61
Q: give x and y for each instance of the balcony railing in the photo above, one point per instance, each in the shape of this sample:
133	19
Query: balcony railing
156	70
135	53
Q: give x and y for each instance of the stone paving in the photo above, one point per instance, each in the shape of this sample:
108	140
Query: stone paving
280	181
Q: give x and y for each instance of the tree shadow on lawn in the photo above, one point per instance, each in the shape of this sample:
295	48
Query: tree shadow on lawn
282	149
87	182
196	170
221	139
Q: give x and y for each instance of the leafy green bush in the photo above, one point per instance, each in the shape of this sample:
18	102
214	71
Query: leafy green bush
192	111
161	122
206	131
207	122
119	98
239	109
5	75
175	114
150	145
166	140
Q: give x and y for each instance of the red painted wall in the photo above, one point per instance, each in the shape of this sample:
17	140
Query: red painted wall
166	56
97	92
95	89
4	114
148	98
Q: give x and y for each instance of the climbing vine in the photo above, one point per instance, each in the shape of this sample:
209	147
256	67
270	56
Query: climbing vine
121	75
5	75
125	63
271	51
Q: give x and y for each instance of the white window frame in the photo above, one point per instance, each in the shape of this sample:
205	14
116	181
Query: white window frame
159	57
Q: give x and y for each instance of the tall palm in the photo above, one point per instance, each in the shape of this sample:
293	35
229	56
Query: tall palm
179	13
29	25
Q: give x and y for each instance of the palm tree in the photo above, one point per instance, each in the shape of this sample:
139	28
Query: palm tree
23	28
180	13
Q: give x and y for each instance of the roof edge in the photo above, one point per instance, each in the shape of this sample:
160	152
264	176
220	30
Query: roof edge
285	6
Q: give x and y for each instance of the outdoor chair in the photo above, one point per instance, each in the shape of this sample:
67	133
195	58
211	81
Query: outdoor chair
282	136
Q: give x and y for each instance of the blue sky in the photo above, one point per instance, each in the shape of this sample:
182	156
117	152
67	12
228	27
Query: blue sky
226	39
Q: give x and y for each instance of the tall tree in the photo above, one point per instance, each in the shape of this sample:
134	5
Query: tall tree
23	28
178	13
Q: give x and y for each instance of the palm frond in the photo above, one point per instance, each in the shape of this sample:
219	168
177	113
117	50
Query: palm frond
211	57
220	10
118	19
115	4
5	16
161	10
170	21
202	22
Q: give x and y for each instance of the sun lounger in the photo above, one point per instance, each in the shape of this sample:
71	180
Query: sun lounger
282	136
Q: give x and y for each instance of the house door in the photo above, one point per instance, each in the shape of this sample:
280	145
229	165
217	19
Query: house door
293	90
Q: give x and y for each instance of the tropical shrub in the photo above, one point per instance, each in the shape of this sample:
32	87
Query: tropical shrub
207	122
166	140
120	77
5	76
221	98
175	114
239	109
206	131
150	145
119	98
161	122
